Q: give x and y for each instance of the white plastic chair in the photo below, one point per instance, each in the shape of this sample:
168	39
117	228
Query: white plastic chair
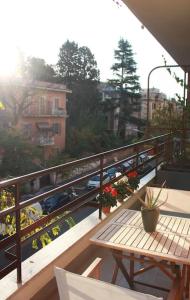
77	287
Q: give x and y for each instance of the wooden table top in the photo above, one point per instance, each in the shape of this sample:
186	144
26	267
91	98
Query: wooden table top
125	232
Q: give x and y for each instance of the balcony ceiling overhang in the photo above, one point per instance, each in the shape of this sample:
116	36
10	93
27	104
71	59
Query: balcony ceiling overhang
169	22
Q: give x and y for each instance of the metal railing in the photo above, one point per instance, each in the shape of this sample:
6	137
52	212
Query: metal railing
161	146
61	112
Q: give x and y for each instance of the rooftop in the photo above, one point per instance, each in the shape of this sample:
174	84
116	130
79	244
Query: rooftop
42	85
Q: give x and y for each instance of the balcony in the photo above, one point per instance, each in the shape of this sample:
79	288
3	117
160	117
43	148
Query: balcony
56	112
45	141
72	250
73	243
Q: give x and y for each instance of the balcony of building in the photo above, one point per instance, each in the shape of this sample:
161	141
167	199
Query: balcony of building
31	276
45	113
45	141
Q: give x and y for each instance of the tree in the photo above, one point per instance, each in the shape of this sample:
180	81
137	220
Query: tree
168	119
28	215
14	99
18	156
76	64
127	83
77	68
86	125
68	63
37	69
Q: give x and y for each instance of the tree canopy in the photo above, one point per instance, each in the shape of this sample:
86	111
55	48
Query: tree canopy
14	100
126	82
76	64
77	68
37	69
19	157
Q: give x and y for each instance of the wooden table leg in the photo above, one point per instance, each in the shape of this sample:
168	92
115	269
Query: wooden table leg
182	281
187	294
115	272
118	259
132	264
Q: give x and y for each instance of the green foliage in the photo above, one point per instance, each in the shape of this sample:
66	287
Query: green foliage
37	69
76	64
70	222
78	69
58	159
127	184
2	105
15	101
133	181
86	124
152	201
168	117
87	141
108	198
126	82
28	215
56	230
18	155
121	186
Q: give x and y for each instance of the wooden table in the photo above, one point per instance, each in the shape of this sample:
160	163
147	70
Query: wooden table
166	248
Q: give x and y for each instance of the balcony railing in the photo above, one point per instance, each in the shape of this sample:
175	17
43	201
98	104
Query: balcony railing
161	146
57	112
45	141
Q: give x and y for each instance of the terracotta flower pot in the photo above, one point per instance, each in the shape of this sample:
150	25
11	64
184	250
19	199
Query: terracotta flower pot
106	210
150	218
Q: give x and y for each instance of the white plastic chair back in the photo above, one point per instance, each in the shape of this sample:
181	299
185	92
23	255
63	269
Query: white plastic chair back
76	287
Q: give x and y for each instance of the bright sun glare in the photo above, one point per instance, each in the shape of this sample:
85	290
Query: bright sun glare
37	28
8	61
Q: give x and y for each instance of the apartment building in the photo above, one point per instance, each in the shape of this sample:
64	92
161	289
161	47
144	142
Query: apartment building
157	100
41	113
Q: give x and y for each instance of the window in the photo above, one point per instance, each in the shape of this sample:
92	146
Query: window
56	103
42	105
56	128
27	130
28	105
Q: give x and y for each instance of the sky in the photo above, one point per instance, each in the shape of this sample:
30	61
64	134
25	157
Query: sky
40	27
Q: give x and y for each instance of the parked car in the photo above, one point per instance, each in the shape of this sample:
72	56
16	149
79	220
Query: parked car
94	182
52	203
112	172
146	166
125	167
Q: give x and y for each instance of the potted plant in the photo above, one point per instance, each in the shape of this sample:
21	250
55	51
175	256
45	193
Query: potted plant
150	209
125	184
133	180
121	188
108	198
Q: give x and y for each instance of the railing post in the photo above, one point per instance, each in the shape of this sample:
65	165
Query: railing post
169	148
101	183
18	233
136	150
156	149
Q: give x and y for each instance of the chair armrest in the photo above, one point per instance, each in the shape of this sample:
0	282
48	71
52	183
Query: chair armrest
93	270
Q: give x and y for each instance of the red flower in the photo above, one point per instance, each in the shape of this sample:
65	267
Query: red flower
132	174
114	192
107	189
